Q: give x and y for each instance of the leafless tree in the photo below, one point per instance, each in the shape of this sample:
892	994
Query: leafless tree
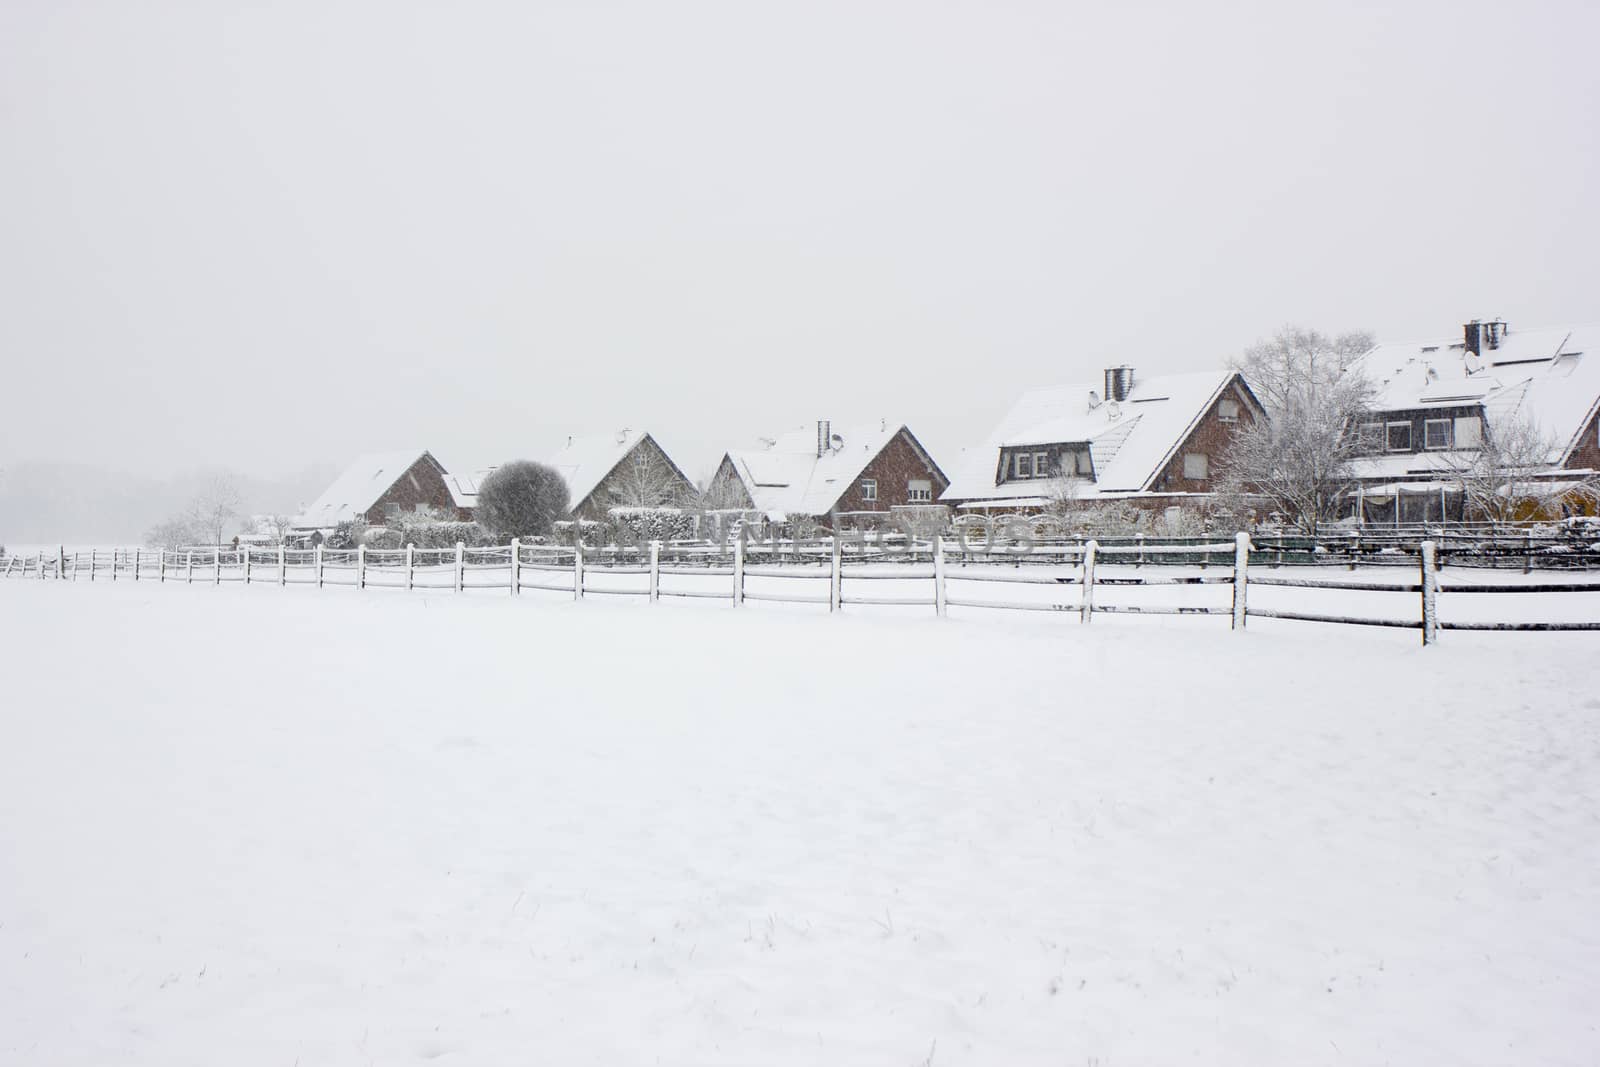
215	507
172	534
1296	365
1298	463
1500	480
645	479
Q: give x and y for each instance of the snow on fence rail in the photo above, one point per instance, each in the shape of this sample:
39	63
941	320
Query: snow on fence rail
836	572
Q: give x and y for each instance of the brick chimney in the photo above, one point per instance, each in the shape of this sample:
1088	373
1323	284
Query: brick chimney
824	437
1472	335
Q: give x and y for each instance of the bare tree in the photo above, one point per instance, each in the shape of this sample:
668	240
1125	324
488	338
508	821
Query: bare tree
522	499
215	507
1500	480
1298	463
645	479
1295	365
172	534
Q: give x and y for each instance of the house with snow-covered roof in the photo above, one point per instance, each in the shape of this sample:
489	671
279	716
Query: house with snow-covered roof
1149	440
375	485
627	468
852	472
1437	401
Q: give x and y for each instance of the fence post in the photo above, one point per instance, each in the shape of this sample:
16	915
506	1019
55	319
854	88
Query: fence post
1430	591
216	565
835	579
1088	580
361	566
577	569
1241	577
1527	558
113	564
244	559
410	566
655	571
939	606
61	562
738	572
516	565
316	563
138	557
461	566
161	565
75	555
1139	539
283	566
188	558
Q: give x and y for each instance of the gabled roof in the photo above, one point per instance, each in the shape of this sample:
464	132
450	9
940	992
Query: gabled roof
355	491
586	460
1130	441
786	476
1550	375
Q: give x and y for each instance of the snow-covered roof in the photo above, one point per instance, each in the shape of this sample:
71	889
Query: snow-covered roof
1129	441
1550	375
464	487
786	476
358	489
586	459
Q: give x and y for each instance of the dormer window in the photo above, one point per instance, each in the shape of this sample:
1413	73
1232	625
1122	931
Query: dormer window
1228	410
1035	463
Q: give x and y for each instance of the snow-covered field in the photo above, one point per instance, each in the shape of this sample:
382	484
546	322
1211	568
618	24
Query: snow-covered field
279	826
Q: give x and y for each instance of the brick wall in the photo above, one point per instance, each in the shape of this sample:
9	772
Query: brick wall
422	485
1586	456
1210	438
893	467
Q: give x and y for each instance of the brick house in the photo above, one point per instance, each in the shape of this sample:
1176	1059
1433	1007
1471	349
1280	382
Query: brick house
1438	401
857	474
627	468
1149	441
375	485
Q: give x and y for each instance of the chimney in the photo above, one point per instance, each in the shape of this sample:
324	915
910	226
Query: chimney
1472	334
824	436
1119	382
1494	332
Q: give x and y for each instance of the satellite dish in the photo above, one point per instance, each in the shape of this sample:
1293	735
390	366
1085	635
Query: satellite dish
1113	410
837	441
1094	400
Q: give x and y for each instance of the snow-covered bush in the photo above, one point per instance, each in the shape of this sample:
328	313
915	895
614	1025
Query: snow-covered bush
594	533
522	499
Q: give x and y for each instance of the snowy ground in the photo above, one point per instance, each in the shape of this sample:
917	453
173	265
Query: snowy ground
279	826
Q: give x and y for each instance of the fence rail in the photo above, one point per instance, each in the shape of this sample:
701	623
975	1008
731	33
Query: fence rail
840	575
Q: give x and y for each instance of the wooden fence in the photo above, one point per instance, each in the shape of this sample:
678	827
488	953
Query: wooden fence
836	572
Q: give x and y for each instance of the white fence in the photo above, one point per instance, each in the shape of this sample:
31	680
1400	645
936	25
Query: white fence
836	573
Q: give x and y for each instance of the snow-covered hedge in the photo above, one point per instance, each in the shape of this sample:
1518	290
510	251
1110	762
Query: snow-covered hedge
652	524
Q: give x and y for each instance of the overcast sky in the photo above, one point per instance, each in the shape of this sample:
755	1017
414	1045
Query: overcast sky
271	235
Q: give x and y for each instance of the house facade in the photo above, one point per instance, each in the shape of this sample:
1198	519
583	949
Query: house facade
855	475
627	468
1154	442
1441	404
376	485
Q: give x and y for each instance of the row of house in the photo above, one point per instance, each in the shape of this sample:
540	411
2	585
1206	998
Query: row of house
1152	441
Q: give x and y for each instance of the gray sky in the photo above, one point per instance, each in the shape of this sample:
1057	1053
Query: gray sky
271	235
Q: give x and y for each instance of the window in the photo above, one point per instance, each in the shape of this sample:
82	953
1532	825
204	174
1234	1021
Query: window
919	491
1022	465
1369	437
869	489
1436	433
1469	432
1041	464
1195	466
1399	437
1228	410
1082	463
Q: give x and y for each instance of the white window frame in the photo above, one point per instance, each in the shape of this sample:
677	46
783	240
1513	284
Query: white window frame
919	491
1427	427
869	489
1041	464
1204	464
1388	428
1021	466
1228	409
